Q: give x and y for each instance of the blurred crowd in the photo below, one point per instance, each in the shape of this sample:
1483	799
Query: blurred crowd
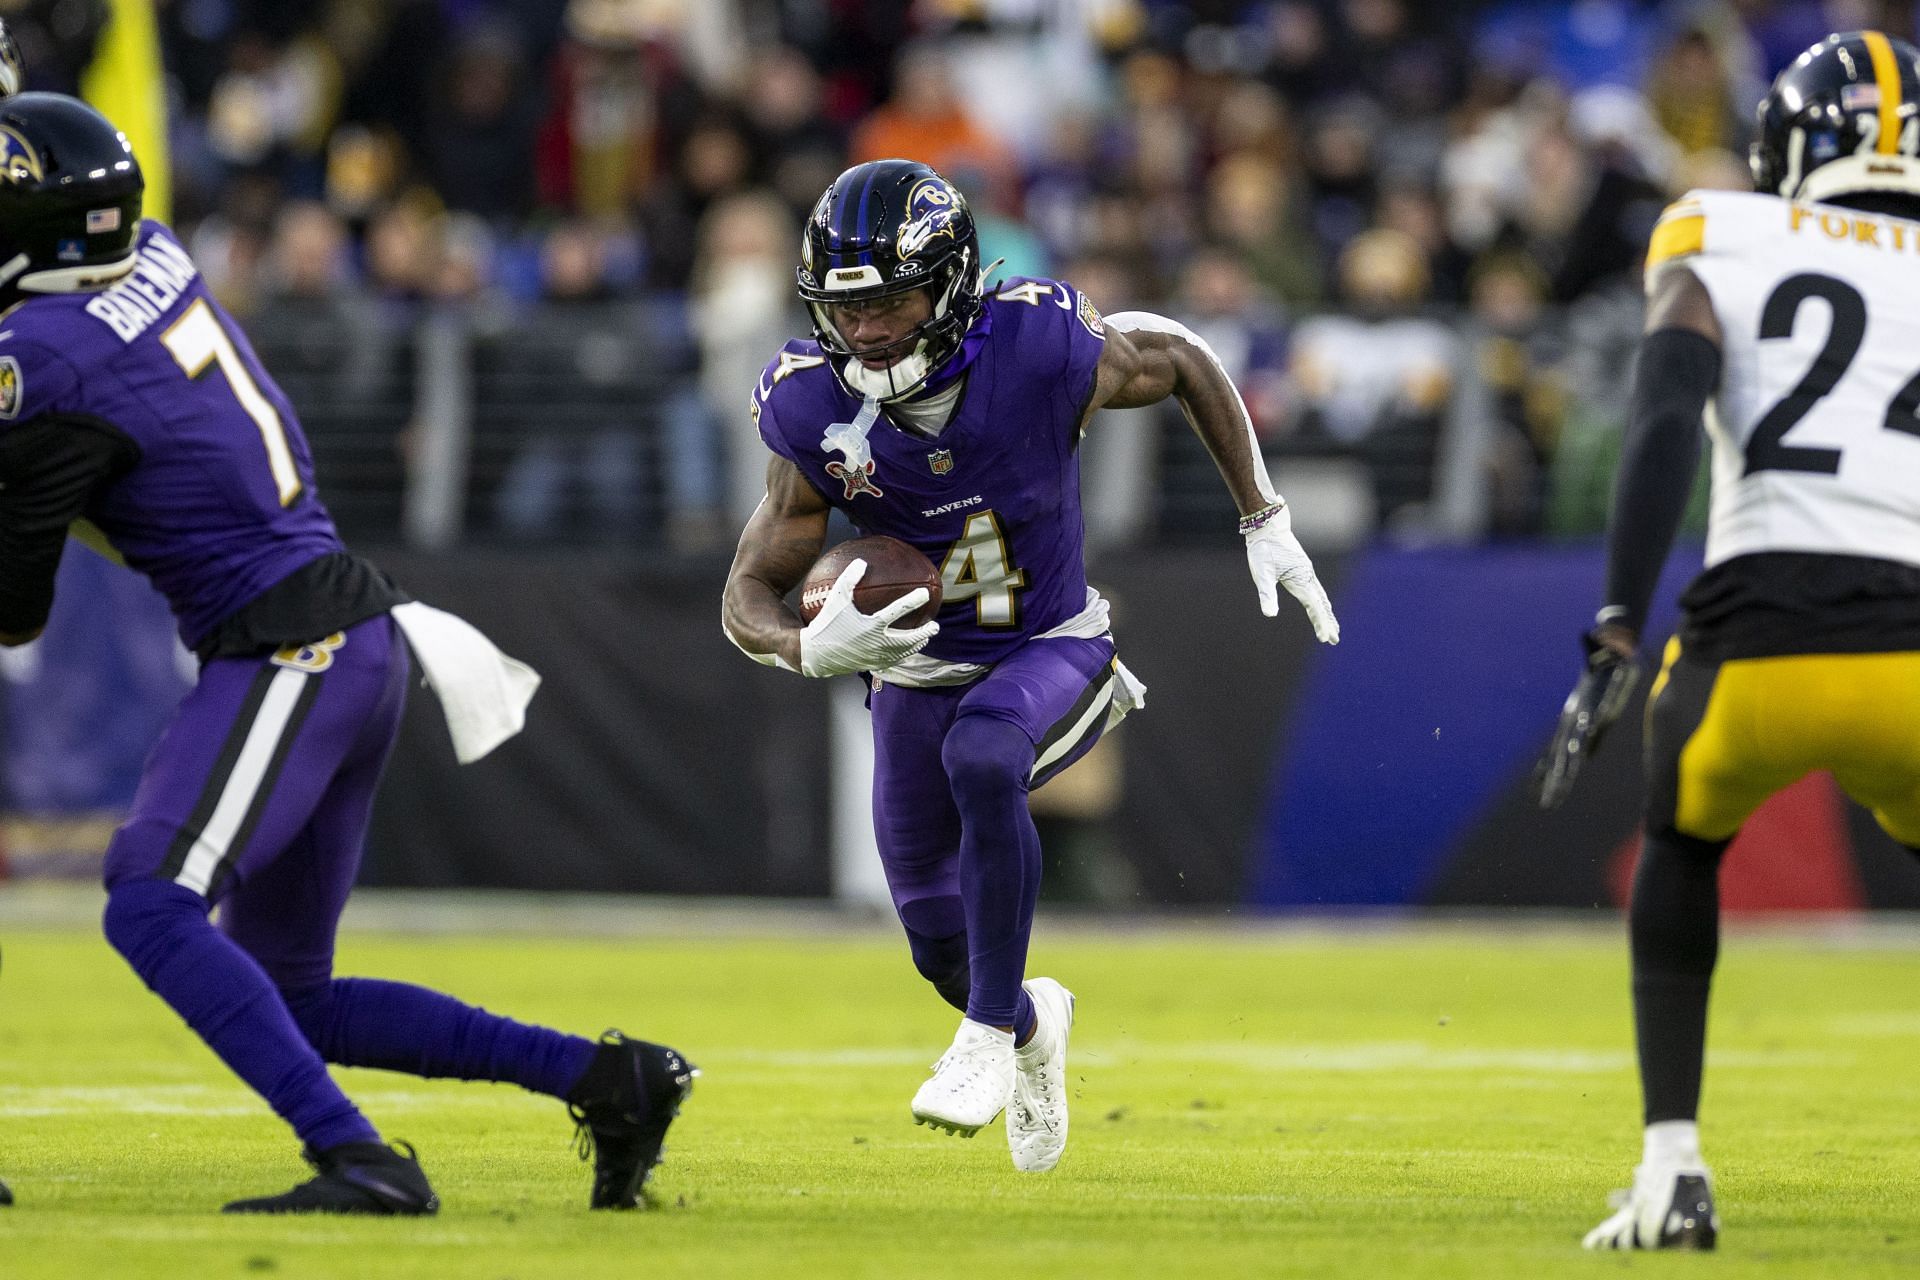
1413	231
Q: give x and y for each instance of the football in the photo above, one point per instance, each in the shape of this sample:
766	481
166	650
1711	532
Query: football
893	569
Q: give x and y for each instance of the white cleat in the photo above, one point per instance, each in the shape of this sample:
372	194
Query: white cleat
1669	1207
1037	1116
972	1082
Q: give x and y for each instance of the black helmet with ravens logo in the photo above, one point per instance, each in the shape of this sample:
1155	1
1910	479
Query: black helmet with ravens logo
1843	119
70	193
883	228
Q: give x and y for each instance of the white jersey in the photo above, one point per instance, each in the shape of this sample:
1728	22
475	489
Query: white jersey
1816	426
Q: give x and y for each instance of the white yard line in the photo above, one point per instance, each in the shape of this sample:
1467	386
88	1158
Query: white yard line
742	1066
43	904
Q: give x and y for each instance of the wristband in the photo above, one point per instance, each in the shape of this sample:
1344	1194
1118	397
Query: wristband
1261	518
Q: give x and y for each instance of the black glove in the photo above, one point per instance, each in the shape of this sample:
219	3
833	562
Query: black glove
1595	703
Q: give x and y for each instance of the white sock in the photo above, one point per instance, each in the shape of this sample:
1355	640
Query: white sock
985	1029
1672	1142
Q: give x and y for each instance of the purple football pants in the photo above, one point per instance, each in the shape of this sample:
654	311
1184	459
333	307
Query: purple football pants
257	800
952	769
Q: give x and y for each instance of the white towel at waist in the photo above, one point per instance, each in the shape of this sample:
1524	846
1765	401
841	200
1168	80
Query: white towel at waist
1128	695
483	693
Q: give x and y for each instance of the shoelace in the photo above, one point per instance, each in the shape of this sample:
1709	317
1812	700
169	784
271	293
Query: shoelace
977	1070
582	1132
1044	1111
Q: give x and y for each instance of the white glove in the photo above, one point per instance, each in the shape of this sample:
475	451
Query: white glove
1274	555
842	640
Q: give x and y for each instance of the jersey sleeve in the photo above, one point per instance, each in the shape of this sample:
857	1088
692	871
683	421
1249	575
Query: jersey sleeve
1059	339
33	381
766	422
1680	234
1086	339
774	395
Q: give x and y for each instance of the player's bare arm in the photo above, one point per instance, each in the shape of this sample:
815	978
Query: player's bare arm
1144	367
1148	358
1679	301
781	541
778	546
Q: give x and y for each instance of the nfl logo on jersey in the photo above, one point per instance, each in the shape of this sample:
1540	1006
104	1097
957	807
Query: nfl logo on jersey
941	460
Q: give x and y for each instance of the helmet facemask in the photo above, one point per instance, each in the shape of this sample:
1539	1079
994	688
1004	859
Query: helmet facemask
917	356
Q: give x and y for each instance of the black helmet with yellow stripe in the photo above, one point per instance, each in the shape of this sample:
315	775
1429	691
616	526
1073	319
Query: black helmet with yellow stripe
1843	119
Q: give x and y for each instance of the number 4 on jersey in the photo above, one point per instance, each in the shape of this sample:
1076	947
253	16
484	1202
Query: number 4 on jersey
980	568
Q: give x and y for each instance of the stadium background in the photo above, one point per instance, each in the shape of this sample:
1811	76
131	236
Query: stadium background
518	263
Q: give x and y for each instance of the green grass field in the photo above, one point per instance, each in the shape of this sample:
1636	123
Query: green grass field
1330	1102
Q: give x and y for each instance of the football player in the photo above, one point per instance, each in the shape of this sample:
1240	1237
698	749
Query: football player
1791	318
933	412
132	408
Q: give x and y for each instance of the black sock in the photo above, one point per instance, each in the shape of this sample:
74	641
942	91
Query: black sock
1674	923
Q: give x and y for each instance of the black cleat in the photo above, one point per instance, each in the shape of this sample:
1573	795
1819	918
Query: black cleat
6	1196
1667	1208
1691	1222
355	1177
622	1106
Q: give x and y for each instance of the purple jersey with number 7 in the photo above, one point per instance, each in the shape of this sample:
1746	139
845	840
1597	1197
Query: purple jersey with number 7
993	499
222	503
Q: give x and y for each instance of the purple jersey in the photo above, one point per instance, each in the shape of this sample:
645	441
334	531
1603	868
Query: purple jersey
994	499
220	505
